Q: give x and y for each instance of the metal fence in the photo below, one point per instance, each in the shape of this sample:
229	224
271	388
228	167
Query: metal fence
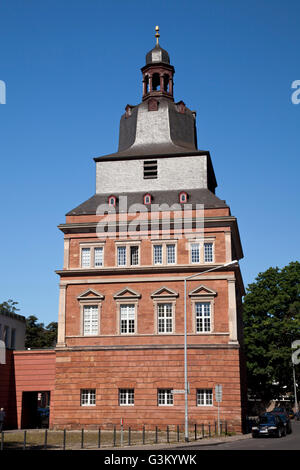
103	438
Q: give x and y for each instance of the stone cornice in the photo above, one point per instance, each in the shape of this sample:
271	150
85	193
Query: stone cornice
148	346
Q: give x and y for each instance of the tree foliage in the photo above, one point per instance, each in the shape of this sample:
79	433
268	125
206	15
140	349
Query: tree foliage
39	336
8	307
271	315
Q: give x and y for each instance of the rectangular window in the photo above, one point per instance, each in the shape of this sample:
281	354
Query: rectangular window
203	317
85	257
90	320
98	256
208	252
165	318
126	396
88	397
164	397
150	169
195	253
134	255
127	319
13	338
121	255
157	254
6	336
204	397
171	258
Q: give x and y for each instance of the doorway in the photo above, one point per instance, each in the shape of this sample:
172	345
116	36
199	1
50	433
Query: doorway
35	410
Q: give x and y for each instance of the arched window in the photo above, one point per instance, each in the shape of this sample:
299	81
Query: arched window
155	82
166	82
183	197
112	201
147	199
147	84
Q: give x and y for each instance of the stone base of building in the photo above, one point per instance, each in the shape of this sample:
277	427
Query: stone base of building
145	370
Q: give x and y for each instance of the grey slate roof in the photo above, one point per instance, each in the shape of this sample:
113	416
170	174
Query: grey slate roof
176	132
157	55
195	196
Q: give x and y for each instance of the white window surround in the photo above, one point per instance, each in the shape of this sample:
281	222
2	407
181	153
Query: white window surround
204	397
165	397
126	396
90	298
202	316
166	259
95	254
202	295
127	318
88	397
165	318
162	296
127	248
200	259
120	305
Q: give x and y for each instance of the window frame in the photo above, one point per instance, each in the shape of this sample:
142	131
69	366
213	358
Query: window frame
147	196
203	303
91	397
85	300
127	246
201	250
85	306
182	195
208	242
92	247
164	252
120	304
167	393
158	304
208	402
112	198
126	392
200	298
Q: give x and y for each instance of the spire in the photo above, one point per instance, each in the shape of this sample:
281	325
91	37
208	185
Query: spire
157	35
157	73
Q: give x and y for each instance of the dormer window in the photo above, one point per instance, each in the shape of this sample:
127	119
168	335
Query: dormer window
183	197
112	201
147	199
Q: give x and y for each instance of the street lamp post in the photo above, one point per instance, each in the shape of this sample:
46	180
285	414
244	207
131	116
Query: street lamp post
186	384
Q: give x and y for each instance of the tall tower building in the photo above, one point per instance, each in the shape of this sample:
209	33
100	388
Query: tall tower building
153	222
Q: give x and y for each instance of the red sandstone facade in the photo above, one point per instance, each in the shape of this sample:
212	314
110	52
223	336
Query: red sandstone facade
120	349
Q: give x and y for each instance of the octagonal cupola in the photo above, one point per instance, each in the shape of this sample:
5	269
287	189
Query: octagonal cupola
157	73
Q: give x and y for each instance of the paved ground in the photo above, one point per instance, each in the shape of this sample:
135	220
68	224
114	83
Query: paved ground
238	442
289	442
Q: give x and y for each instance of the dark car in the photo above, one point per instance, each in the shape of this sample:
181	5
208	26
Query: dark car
283	414
269	425
297	415
280	410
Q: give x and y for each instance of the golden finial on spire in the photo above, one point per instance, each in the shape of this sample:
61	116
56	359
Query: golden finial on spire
157	35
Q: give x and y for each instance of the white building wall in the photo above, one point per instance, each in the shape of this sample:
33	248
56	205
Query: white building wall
9	323
174	173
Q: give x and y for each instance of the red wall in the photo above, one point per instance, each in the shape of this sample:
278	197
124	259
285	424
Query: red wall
34	372
8	391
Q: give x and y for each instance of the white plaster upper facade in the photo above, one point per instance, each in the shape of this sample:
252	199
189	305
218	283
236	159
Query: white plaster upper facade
173	173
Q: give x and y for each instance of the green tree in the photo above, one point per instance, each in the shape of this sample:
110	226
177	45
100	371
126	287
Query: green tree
8	307
271	314
38	336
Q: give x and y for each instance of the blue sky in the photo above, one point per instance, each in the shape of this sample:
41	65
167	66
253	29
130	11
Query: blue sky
71	67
